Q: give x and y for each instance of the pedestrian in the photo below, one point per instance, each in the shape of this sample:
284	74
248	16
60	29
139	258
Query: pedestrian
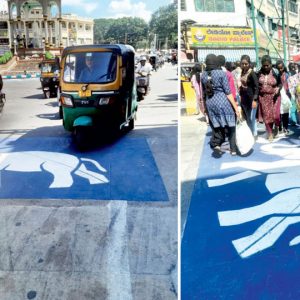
285	103
248	92
294	118
268	90
221	107
196	84
222	63
236	73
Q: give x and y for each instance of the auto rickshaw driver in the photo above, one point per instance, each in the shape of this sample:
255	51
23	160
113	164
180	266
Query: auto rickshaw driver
88	74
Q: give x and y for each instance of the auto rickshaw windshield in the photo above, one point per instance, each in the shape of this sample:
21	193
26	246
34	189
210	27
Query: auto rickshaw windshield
92	67
49	68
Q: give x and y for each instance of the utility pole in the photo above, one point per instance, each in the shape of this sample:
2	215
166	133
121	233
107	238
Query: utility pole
288	29
283	31
254	33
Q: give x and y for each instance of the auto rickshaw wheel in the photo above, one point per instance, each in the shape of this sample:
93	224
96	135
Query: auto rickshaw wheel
60	112
80	137
131	124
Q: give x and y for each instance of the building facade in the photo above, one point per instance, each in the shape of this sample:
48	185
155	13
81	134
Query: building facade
229	22
40	23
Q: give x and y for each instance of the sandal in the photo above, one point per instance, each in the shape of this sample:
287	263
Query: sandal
217	150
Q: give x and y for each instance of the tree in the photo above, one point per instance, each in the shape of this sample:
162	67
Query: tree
101	26
123	30
164	23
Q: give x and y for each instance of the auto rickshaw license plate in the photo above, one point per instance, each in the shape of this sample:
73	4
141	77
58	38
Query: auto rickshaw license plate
83	94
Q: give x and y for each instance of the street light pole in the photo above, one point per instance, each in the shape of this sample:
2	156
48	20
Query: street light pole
283	31
254	33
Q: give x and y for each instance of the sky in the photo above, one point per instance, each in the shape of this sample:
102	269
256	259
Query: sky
96	9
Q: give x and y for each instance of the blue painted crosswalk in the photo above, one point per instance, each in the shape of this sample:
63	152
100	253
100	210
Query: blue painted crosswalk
50	168
242	236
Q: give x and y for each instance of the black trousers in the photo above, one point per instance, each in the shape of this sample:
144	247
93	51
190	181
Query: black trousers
219	134
247	113
284	121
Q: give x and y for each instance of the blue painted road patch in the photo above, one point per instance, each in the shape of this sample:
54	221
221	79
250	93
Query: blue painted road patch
48	168
242	236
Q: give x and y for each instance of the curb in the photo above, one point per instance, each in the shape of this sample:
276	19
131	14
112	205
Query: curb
19	76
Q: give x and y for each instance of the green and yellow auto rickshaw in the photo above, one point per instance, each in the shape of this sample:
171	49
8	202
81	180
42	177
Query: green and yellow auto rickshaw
97	89
49	77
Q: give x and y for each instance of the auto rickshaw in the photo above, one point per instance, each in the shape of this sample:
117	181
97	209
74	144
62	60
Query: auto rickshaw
187	92
97	89
49	77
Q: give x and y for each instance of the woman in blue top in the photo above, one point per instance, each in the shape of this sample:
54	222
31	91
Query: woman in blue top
220	104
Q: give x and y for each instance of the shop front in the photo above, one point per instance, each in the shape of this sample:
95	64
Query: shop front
232	42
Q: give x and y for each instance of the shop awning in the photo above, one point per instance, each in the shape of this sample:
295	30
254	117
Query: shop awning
231	55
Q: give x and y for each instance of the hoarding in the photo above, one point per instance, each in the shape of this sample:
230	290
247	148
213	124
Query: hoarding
222	36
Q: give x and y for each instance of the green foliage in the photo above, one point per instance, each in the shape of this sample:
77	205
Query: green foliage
49	55
136	32
164	23
123	30
6	57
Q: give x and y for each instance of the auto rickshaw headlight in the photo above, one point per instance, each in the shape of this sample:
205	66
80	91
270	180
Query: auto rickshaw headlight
104	100
67	101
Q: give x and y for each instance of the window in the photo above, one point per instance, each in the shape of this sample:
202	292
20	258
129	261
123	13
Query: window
270	25
183	5
214	5
293	7
261	18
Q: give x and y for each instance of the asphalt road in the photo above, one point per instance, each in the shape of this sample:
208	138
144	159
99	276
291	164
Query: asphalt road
105	230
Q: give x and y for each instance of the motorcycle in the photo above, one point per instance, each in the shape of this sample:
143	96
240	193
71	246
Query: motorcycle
142	85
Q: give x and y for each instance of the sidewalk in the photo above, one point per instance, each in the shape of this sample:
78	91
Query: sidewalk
193	129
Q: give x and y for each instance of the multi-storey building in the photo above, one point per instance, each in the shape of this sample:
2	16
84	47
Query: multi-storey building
40	23
270	17
226	26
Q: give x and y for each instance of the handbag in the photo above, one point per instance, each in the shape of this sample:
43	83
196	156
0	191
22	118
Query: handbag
244	137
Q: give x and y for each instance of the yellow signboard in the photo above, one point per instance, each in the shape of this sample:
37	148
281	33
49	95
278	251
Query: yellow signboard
222	36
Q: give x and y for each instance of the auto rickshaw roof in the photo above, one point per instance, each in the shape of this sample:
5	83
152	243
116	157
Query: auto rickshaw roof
117	48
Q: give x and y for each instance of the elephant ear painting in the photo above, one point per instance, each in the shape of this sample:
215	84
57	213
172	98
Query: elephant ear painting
62	166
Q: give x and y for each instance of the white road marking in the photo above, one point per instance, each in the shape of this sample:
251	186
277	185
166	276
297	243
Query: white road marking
283	209
118	277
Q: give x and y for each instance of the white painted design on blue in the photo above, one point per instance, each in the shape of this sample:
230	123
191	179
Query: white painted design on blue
283	209
60	165
295	241
230	179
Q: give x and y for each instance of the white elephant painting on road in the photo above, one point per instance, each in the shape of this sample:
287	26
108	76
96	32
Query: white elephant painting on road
282	210
62	166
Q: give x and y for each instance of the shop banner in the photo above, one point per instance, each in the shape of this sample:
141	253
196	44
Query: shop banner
222	36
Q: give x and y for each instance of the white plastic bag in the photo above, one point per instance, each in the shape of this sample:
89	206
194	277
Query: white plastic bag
244	137
285	102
